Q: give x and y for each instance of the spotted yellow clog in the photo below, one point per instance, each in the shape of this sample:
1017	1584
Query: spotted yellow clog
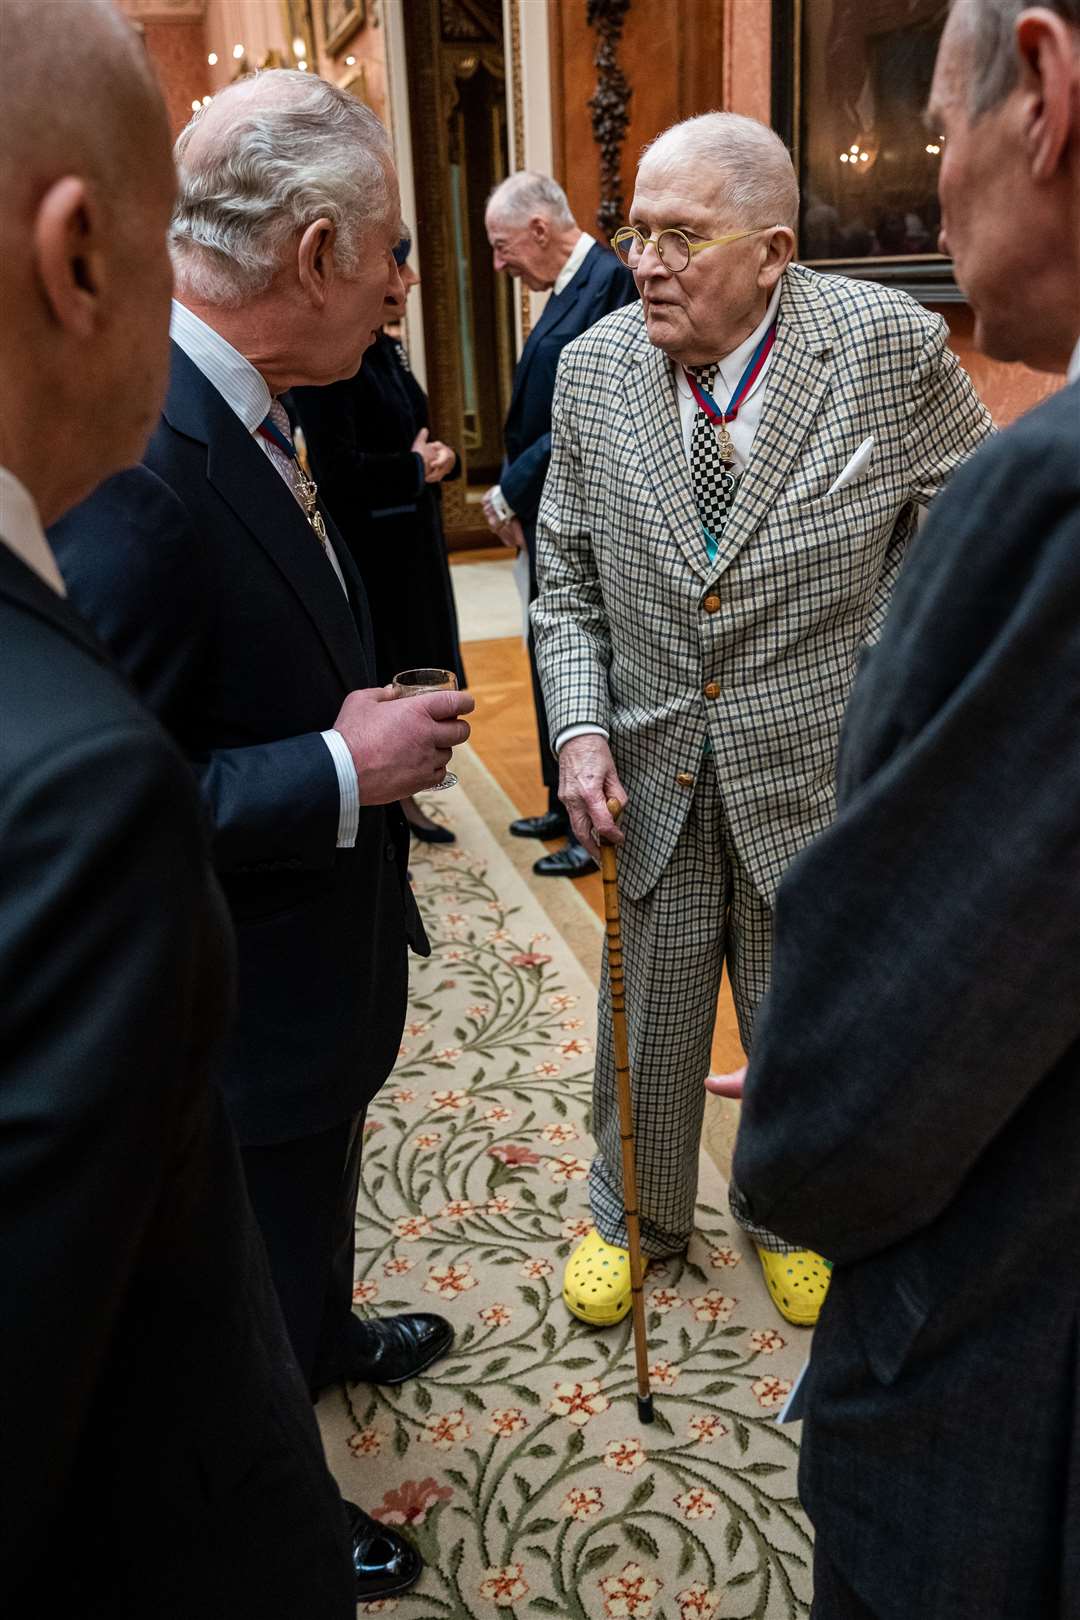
797	1282
596	1284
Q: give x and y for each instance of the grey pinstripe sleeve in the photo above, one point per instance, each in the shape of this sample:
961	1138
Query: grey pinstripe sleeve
570	622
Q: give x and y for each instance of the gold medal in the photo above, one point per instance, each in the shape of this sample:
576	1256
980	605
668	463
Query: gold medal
723	439
308	491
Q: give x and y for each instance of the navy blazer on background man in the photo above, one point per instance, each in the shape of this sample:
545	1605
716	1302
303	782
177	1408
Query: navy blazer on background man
601	284
159	1450
216	597
913	1101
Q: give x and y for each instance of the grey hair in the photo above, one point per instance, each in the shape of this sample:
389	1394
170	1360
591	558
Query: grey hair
520	197
992	25
303	150
749	162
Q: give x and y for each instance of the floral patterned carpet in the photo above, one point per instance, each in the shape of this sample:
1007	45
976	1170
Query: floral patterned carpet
518	1465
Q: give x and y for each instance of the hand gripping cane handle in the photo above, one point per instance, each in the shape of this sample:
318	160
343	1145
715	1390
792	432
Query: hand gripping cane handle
609	872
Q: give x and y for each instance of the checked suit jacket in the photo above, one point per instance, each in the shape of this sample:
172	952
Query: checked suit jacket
754	652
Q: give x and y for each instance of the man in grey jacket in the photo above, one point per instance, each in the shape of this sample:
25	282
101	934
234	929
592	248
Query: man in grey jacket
925	967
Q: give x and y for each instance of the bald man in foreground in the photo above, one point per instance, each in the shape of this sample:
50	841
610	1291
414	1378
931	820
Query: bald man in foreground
158	1449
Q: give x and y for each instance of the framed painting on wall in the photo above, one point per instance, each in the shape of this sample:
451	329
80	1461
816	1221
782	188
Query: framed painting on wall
355	82
299	30
341	19
850	85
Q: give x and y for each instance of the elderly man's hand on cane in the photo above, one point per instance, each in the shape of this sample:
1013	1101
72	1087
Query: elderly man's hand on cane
587	780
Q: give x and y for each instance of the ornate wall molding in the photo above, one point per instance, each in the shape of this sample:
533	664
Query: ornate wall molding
164	10
609	108
517	154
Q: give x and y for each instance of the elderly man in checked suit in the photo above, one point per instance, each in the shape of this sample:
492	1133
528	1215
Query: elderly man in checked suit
736	469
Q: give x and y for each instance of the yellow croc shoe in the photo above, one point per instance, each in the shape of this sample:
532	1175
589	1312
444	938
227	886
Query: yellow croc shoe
596	1283
797	1282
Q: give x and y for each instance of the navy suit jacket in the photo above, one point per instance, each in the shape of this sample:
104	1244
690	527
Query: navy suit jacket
201	574
159	1450
913	1102
600	285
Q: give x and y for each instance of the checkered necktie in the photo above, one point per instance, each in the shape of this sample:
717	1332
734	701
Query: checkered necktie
714	483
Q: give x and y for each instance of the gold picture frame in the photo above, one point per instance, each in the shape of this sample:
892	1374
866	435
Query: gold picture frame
299	24
354	81
341	20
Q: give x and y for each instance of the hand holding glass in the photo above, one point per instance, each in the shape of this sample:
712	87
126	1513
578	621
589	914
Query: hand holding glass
410	683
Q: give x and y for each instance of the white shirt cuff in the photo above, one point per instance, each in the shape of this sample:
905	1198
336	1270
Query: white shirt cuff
503	510
578	731
348	789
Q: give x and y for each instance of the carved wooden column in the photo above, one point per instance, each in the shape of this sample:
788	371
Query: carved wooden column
609	108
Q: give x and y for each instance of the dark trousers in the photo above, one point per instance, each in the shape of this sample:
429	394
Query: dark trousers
304	1197
549	765
833	1597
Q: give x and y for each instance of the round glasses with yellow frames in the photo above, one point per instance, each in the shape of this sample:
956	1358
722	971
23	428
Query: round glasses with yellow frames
674	247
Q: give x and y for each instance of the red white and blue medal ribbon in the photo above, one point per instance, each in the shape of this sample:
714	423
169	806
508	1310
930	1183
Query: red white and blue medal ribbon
720	418
274	434
306	488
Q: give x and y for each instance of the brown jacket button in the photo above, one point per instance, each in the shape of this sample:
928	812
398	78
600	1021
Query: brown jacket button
712	690
712	604
684	779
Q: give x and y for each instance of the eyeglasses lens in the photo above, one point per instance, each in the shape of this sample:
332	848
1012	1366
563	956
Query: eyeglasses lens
673	250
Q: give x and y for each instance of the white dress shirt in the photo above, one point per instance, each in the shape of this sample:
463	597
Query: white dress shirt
245	392
742	430
21	531
1074	364
728	377
578	254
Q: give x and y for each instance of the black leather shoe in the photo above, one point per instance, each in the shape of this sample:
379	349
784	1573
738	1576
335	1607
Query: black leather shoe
395	1348
384	1563
552	825
433	834
573	861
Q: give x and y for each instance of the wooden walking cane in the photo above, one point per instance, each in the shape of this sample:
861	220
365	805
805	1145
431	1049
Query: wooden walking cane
609	870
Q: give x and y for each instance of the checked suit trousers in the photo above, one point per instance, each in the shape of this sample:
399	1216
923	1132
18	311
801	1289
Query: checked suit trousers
703	912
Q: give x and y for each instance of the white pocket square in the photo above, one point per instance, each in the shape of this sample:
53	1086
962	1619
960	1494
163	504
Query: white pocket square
855	467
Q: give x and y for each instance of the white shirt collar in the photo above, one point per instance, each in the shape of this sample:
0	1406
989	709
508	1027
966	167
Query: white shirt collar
236	380
578	254
1074	363
21	531
734	364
